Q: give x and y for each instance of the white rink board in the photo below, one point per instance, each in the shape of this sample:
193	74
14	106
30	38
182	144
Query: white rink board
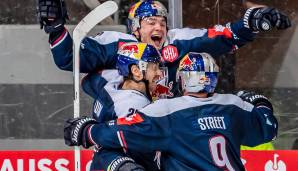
25	56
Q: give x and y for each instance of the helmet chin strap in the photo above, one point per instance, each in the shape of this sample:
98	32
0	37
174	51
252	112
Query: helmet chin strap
146	82
137	37
147	89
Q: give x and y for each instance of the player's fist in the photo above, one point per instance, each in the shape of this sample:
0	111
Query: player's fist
75	131
255	99
52	15
265	18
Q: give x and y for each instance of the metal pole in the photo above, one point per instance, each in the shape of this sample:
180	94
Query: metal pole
175	14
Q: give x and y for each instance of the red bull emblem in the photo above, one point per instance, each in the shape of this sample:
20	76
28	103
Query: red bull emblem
186	63
156	5
131	48
163	91
204	80
169	53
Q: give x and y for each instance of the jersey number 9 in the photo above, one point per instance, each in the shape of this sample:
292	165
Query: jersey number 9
217	146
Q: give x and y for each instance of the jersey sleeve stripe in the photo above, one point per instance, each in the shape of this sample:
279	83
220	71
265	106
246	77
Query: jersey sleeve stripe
59	39
89	135
122	140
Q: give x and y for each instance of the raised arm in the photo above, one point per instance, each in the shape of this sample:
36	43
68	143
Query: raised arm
96	53
221	39
259	126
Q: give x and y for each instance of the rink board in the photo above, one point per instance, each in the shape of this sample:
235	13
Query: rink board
281	160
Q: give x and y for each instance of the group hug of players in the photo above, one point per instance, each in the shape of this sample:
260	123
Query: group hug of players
132	127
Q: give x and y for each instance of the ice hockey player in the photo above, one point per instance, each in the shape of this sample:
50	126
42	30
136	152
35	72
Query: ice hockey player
138	63
148	24
201	130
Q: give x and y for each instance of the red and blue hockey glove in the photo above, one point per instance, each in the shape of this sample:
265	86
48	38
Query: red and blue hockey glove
76	131
265	18
255	99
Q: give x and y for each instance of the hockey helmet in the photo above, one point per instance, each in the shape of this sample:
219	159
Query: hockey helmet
138	54
197	72
143	9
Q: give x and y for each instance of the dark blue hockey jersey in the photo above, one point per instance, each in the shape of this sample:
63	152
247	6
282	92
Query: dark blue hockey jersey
111	102
100	52
196	133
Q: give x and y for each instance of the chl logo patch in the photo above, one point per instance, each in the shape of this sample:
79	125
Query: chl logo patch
169	53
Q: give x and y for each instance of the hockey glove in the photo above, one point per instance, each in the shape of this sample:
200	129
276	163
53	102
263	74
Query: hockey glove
255	99
265	18
52	15
75	131
125	164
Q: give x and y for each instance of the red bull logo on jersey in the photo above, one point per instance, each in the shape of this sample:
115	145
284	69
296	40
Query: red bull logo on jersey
163	91
186	63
